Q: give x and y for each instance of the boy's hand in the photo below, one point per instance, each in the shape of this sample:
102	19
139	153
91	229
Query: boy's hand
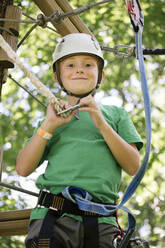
88	104
53	120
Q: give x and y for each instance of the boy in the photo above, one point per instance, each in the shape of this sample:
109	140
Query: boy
86	154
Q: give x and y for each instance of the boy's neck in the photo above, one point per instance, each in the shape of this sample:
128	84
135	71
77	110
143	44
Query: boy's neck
72	100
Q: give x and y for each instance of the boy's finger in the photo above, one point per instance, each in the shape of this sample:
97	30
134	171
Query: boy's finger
64	105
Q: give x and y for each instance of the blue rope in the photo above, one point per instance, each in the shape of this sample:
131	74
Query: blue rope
139	175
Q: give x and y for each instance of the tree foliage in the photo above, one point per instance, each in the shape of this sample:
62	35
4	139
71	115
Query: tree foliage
19	111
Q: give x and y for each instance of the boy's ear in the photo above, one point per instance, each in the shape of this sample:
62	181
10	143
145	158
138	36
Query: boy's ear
103	75
55	76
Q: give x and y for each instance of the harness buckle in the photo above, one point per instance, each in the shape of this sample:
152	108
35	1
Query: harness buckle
41	197
55	209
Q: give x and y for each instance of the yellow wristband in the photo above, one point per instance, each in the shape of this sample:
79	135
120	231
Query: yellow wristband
41	132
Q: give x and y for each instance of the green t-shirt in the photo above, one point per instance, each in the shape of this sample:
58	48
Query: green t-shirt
78	156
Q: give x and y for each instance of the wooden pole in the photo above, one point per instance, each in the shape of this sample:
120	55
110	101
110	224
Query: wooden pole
12	12
15	215
14	222
76	20
69	25
7	10
11	228
3	5
48	7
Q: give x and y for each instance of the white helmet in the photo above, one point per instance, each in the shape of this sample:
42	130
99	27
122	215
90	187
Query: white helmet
77	43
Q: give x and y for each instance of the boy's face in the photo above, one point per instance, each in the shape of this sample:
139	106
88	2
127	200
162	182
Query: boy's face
79	73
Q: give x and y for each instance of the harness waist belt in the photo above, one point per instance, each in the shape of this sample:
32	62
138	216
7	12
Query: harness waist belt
63	205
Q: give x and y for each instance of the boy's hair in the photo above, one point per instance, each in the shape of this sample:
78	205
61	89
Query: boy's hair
77	44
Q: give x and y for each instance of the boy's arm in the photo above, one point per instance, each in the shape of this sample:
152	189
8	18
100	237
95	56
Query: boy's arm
28	159
126	155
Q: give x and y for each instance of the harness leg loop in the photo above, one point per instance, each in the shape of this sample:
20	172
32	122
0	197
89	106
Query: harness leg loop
91	234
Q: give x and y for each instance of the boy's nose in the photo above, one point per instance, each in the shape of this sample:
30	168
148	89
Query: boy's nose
79	69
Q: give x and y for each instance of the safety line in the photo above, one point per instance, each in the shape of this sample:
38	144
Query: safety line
21	86
131	51
17	21
138	22
57	18
139	175
27	34
156	51
9	186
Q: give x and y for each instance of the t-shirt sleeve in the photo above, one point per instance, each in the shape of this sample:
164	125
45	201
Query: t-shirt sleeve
47	145
127	130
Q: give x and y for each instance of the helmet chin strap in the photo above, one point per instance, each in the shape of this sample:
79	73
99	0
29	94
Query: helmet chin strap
92	92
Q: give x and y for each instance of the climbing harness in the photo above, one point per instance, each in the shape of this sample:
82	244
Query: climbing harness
66	202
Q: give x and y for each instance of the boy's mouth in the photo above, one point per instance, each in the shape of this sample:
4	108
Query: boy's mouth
79	78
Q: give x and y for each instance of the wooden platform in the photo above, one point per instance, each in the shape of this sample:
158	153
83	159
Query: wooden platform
14	222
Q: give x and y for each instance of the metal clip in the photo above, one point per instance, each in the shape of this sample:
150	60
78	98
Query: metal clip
55	209
69	109
116	241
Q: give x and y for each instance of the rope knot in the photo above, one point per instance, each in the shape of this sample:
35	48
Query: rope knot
42	20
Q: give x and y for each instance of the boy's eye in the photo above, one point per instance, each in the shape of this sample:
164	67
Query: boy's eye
89	64
70	65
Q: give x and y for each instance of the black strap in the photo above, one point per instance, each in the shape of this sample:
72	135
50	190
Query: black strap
46	237
48	222
91	234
